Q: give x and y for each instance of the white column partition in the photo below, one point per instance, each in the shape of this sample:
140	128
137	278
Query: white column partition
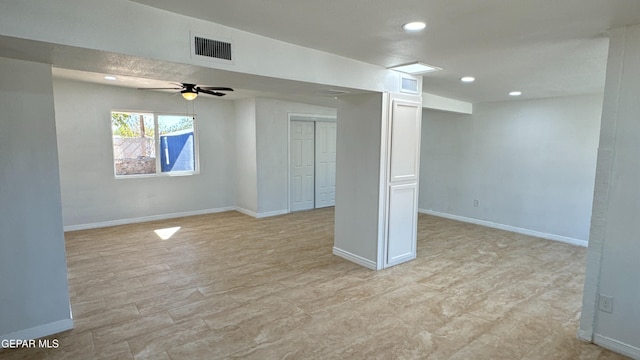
378	154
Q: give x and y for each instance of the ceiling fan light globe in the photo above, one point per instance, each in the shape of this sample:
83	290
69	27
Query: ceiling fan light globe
188	95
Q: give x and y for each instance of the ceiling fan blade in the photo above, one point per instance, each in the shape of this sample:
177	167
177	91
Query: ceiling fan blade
211	92
173	88
215	88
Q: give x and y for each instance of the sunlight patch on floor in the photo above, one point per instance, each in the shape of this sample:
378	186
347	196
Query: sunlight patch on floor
167	233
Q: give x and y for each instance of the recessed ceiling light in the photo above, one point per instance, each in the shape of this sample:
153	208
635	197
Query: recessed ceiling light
468	79
110	77
415	68
515	93
414	26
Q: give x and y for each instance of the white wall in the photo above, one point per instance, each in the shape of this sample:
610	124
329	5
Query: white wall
90	192
34	297
530	164
358	178
436	102
272	124
246	165
614	246
243	156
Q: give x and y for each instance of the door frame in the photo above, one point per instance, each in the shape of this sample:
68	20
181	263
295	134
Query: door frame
301	117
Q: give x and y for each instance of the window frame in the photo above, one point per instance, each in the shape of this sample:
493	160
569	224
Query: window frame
156	134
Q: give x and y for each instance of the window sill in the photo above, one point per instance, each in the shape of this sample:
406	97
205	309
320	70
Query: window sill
161	175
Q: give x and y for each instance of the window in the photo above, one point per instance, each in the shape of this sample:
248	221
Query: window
153	144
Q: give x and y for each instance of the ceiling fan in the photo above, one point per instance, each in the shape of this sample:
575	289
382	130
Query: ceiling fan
191	91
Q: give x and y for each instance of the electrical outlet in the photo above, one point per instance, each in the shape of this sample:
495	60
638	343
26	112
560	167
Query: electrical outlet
476	203
605	303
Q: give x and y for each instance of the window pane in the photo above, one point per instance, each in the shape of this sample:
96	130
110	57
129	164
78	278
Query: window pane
133	143
177	144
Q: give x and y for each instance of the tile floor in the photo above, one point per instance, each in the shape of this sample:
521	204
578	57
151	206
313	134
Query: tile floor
227	286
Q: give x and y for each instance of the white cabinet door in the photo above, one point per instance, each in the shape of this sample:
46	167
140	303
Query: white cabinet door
325	164
402	224
403	156
302	165
405	121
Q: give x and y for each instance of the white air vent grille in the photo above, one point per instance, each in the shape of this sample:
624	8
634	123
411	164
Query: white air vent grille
408	85
212	48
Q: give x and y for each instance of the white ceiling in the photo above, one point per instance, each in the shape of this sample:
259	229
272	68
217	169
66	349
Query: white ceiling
133	72
544	48
286	90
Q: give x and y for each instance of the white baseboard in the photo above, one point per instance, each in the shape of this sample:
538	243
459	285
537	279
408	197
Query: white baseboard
40	331
171	216
272	213
564	239
246	212
146	218
585	335
262	214
369	264
617	346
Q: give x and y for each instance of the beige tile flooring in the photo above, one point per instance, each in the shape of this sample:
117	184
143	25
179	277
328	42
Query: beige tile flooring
230	286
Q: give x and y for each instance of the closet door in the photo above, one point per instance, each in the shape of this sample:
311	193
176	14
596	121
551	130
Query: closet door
325	164
402	182
302	150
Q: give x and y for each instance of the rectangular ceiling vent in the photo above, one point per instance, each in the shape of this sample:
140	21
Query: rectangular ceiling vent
204	47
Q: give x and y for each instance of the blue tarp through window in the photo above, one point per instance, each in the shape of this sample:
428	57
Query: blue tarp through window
177	152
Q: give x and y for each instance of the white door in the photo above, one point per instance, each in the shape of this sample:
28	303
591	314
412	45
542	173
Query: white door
302	165
325	164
